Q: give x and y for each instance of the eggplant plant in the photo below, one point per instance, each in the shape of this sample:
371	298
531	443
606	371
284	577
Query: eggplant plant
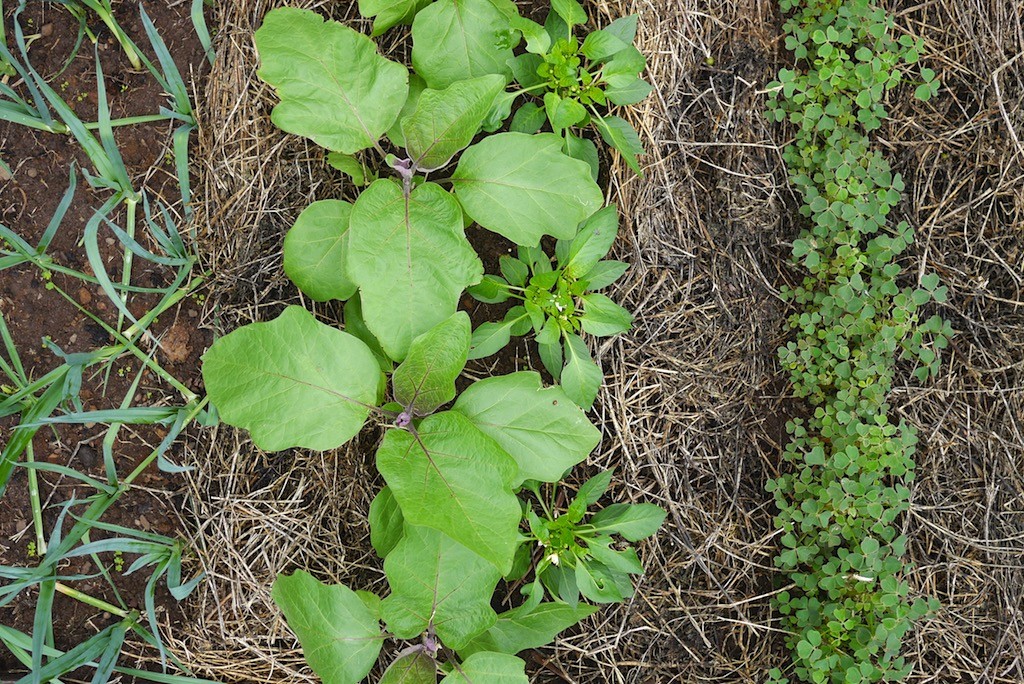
449	523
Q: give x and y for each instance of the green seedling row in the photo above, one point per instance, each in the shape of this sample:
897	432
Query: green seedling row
472	494
848	605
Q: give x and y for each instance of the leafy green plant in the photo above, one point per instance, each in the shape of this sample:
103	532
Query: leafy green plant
558	303
582	558
573	82
848	608
449	523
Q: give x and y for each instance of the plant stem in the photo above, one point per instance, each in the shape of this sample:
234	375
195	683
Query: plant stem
34	502
129	121
89	600
126	274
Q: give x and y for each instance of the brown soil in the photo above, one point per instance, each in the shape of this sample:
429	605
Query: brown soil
40	163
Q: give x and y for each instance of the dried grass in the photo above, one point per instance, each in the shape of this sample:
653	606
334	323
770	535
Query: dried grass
694	406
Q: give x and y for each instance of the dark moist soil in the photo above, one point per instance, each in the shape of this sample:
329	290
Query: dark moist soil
40	163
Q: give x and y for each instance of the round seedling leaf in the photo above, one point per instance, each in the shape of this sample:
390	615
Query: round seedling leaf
315	251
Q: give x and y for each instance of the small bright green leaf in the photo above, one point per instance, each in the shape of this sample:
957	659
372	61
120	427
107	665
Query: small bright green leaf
437	581
581	377
411	260
388	13
426	379
571	12
514	270
489	668
538	41
541	428
602	317
524	69
491	290
623	28
453	40
605	273
521	628
623	137
416	87
315	248
551	357
599	46
528	119
348	165
593	489
340	636
491	338
633	91
412	668
633	521
563	112
445	121
454	478
522	187
292	382
357	93
593	242
386	523
585	150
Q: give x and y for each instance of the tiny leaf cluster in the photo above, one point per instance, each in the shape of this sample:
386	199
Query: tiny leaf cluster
848	608
454	518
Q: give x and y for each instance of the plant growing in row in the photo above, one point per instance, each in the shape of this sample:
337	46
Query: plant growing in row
558	303
449	523
849	608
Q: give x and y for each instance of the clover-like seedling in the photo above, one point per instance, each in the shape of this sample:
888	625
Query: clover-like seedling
580	555
558	302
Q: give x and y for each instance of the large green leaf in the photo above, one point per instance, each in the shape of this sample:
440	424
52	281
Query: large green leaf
523	187
412	668
411	260
521	628
388	13
293	382
489	668
314	251
426	379
437	581
452	477
339	632
445	121
453	40
541	428
334	87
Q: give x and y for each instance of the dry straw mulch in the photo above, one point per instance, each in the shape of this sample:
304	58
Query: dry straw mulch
694	406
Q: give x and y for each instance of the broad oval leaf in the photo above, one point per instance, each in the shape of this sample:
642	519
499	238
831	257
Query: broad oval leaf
412	668
633	521
445	121
426	379
438	582
453	40
293	382
522	186
602	317
489	668
622	136
521	628
452	477
339	631
334	87
541	428
411	260
315	248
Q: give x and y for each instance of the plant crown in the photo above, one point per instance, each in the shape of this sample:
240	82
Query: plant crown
848	608
449	523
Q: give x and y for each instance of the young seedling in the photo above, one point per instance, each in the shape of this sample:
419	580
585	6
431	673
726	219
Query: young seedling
580	556
559	302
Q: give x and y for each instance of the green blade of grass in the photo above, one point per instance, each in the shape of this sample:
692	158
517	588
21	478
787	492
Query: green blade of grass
15	370
71	473
41	625
199	22
59	212
21	437
172	80
108	660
